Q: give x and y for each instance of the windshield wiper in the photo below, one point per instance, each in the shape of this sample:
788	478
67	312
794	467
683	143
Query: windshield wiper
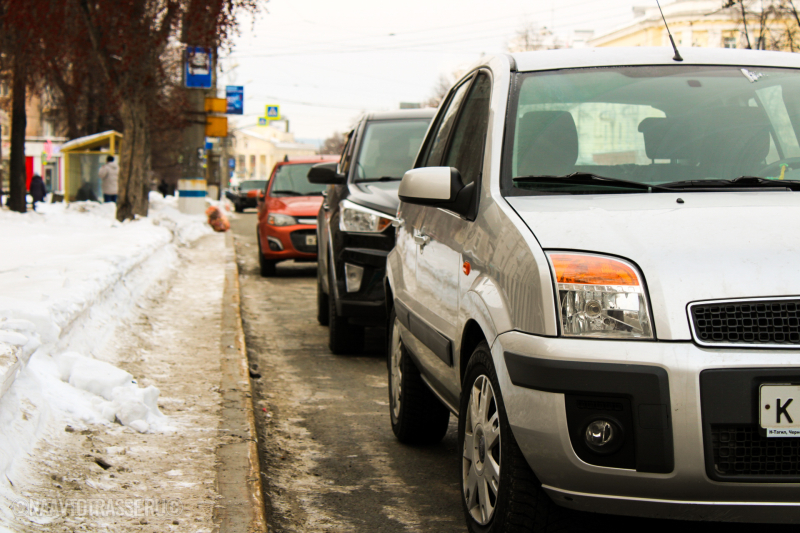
290	193
742	182
586	178
382	178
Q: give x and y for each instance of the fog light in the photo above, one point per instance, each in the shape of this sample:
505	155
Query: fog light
603	436
352	277
274	244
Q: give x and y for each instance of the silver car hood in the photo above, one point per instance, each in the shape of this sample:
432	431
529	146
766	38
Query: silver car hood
713	246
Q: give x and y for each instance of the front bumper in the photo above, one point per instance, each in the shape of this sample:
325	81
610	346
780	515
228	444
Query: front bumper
678	484
292	239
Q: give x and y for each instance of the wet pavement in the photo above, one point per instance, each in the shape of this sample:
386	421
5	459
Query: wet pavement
329	458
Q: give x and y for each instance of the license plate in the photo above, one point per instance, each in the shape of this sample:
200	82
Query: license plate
779	410
311	240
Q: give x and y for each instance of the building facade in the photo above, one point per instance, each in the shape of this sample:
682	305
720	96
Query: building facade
694	23
255	151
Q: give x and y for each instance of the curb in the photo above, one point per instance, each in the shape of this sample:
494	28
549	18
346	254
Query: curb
241	509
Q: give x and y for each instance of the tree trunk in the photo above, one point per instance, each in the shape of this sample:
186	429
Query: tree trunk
18	177
134	164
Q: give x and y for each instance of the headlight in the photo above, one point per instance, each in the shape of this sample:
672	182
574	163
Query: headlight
358	219
600	297
281	220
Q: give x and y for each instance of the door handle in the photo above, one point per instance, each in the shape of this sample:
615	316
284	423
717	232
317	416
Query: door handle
421	239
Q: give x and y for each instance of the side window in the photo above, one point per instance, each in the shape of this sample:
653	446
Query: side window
445	125
469	136
347	153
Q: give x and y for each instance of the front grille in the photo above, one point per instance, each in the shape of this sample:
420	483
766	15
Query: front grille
299	241
739	450
747	322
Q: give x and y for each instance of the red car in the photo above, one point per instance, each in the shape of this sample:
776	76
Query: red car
287	215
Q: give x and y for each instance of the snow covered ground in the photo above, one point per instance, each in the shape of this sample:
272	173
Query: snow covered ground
71	278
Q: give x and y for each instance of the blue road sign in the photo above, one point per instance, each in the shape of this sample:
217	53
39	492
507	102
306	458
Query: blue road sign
199	66
235	96
273	112
262	121
232	162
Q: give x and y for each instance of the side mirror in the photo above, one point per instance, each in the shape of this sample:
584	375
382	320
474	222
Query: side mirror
437	187
325	174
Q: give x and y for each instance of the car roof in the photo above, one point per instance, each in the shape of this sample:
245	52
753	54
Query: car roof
307	160
610	57
399	114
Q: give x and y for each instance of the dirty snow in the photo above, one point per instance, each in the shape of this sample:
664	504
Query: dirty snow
71	275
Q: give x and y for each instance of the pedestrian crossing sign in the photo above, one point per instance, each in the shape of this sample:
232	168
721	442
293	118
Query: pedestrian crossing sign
273	112
262	121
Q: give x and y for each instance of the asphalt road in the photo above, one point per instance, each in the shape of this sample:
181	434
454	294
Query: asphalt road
329	458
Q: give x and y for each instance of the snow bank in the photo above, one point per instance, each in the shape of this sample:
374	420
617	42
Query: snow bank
68	273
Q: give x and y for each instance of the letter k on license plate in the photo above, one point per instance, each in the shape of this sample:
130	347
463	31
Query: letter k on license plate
779	410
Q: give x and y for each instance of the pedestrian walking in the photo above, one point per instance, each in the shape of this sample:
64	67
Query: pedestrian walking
37	189
109	175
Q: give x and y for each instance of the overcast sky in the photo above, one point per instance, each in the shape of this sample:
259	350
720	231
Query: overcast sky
324	62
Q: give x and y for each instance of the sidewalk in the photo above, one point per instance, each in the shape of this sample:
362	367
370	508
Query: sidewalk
127	435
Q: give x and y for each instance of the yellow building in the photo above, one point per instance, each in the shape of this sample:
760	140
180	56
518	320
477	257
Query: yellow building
699	23
257	149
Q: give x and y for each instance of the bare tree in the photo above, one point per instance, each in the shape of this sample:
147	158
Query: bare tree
333	145
775	24
532	37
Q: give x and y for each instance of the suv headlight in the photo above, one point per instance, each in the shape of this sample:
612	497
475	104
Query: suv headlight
281	220
600	297
355	218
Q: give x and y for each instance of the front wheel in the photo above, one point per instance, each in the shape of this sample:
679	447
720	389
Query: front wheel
265	266
500	492
418	417
323	307
343	337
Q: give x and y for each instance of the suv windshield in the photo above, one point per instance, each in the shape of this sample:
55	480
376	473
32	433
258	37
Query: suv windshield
292	180
673	126
389	148
252	185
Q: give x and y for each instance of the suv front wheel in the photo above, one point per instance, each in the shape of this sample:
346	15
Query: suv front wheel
500	492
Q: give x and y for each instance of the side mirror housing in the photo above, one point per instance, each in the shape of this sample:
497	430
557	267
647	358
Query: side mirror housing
437	187
325	174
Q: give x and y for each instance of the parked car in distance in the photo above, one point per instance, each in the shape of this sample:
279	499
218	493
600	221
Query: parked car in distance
354	222
594	270
287	223
246	194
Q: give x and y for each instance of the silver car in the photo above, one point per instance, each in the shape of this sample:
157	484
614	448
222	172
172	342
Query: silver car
595	272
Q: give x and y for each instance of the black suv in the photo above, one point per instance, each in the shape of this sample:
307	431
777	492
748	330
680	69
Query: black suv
354	224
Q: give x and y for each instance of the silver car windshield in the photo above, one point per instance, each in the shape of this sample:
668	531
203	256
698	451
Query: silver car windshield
389	148
669	126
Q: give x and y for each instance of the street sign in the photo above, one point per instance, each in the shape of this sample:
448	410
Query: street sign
209	145
273	112
235	97
199	66
232	162
216	126
262	121
216	105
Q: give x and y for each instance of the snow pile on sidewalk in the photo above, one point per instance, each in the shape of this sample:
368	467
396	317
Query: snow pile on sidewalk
68	274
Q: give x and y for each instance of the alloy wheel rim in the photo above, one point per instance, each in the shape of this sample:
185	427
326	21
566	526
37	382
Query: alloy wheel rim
481	453
396	372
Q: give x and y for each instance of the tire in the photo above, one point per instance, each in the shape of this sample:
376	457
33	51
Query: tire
503	475
417	415
239	208
323	310
266	267
344	338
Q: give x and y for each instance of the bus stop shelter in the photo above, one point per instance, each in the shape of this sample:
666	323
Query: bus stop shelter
83	158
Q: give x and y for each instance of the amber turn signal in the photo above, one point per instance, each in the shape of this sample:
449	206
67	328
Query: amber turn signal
592	270
467	268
